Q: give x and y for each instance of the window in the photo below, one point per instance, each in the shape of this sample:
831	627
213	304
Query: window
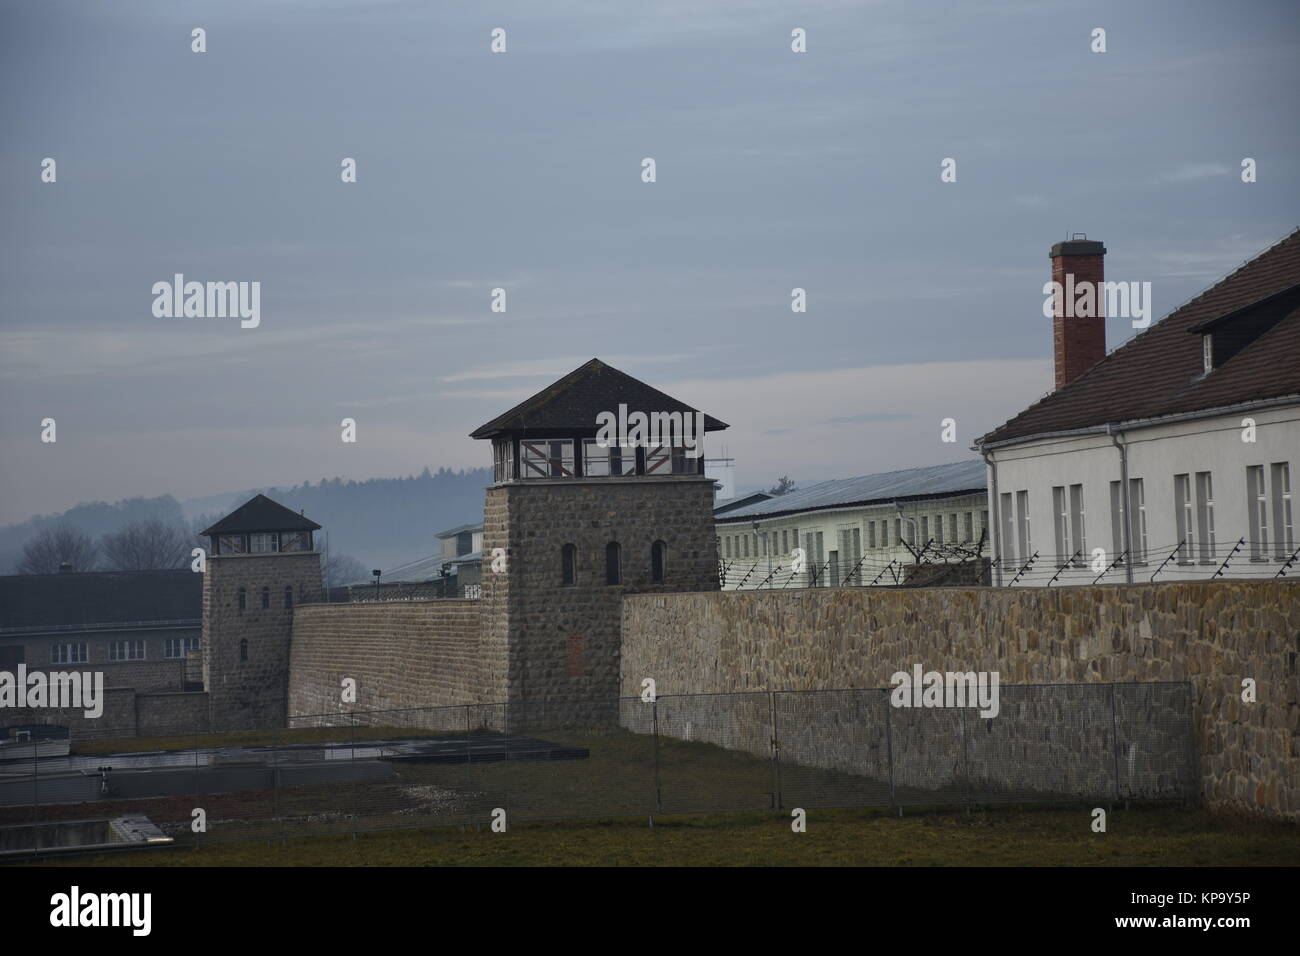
1078	522
243	599
658	559
970	526
1207	353
266	598
68	654
295	540
288	595
938	529
175	647
232	544
1007	520
126	651
1283	534
1205	515
613	570
1183	515
1116	519
503	461
850	551
1138	520
785	542
546	458
898	531
1257	503
925	529
1061	521
834	561
1026	540
243	650
871	534
569	565
744	545
614	461
952	529
813	544
264	543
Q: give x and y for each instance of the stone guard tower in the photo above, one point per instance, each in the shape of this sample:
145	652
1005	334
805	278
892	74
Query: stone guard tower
261	564
570	527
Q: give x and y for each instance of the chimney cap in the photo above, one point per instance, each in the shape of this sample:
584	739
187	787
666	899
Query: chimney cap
1077	247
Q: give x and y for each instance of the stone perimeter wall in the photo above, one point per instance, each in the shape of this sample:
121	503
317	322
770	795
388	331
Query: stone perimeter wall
401	654
1211	634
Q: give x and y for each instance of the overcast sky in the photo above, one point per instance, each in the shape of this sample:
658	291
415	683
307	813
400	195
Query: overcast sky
522	170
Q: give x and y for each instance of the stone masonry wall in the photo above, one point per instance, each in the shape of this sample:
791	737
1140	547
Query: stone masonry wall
252	693
563	641
1212	634
402	654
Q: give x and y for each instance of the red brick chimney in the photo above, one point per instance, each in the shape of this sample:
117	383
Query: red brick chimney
1079	342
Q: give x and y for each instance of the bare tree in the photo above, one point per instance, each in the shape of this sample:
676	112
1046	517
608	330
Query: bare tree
340	569
147	545
784	485
55	546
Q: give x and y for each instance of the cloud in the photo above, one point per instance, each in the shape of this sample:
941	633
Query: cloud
1190	172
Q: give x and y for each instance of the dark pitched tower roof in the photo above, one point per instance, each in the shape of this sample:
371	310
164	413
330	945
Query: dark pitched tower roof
573	402
1160	371
260	513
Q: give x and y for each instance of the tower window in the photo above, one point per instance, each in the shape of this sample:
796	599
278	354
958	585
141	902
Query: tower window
266	598
288	595
243	599
243	650
658	559
613	571
569	565
264	543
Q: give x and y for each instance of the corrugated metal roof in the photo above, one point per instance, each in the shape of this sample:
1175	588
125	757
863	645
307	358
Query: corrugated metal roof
962	476
452	532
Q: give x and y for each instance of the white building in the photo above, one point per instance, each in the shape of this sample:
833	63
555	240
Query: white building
1170	458
856	531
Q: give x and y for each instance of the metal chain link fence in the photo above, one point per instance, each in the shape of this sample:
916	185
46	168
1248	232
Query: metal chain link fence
350	772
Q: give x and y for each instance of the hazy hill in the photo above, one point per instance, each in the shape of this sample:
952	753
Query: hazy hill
381	521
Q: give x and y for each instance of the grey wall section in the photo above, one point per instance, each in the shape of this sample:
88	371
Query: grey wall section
401	655
127	713
1213	635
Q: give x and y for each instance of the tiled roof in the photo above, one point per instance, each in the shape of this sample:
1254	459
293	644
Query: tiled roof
260	513
1160	372
962	477
573	402
109	597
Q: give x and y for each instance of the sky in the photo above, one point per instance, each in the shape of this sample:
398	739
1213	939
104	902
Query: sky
522	170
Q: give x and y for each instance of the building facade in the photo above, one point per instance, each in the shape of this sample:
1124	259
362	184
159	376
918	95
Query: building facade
1170	458
873	530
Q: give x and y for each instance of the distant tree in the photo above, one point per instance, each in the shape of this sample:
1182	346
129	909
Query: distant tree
783	486
55	546
147	545
340	569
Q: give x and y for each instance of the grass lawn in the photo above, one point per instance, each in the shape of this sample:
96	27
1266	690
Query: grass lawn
594	811
1019	837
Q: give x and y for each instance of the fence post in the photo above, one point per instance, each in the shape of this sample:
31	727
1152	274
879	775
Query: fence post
889	751
776	751
654	743
965	755
1114	732
469	766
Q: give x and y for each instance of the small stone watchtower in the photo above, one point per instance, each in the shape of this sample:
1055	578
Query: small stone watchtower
573	521
261	563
